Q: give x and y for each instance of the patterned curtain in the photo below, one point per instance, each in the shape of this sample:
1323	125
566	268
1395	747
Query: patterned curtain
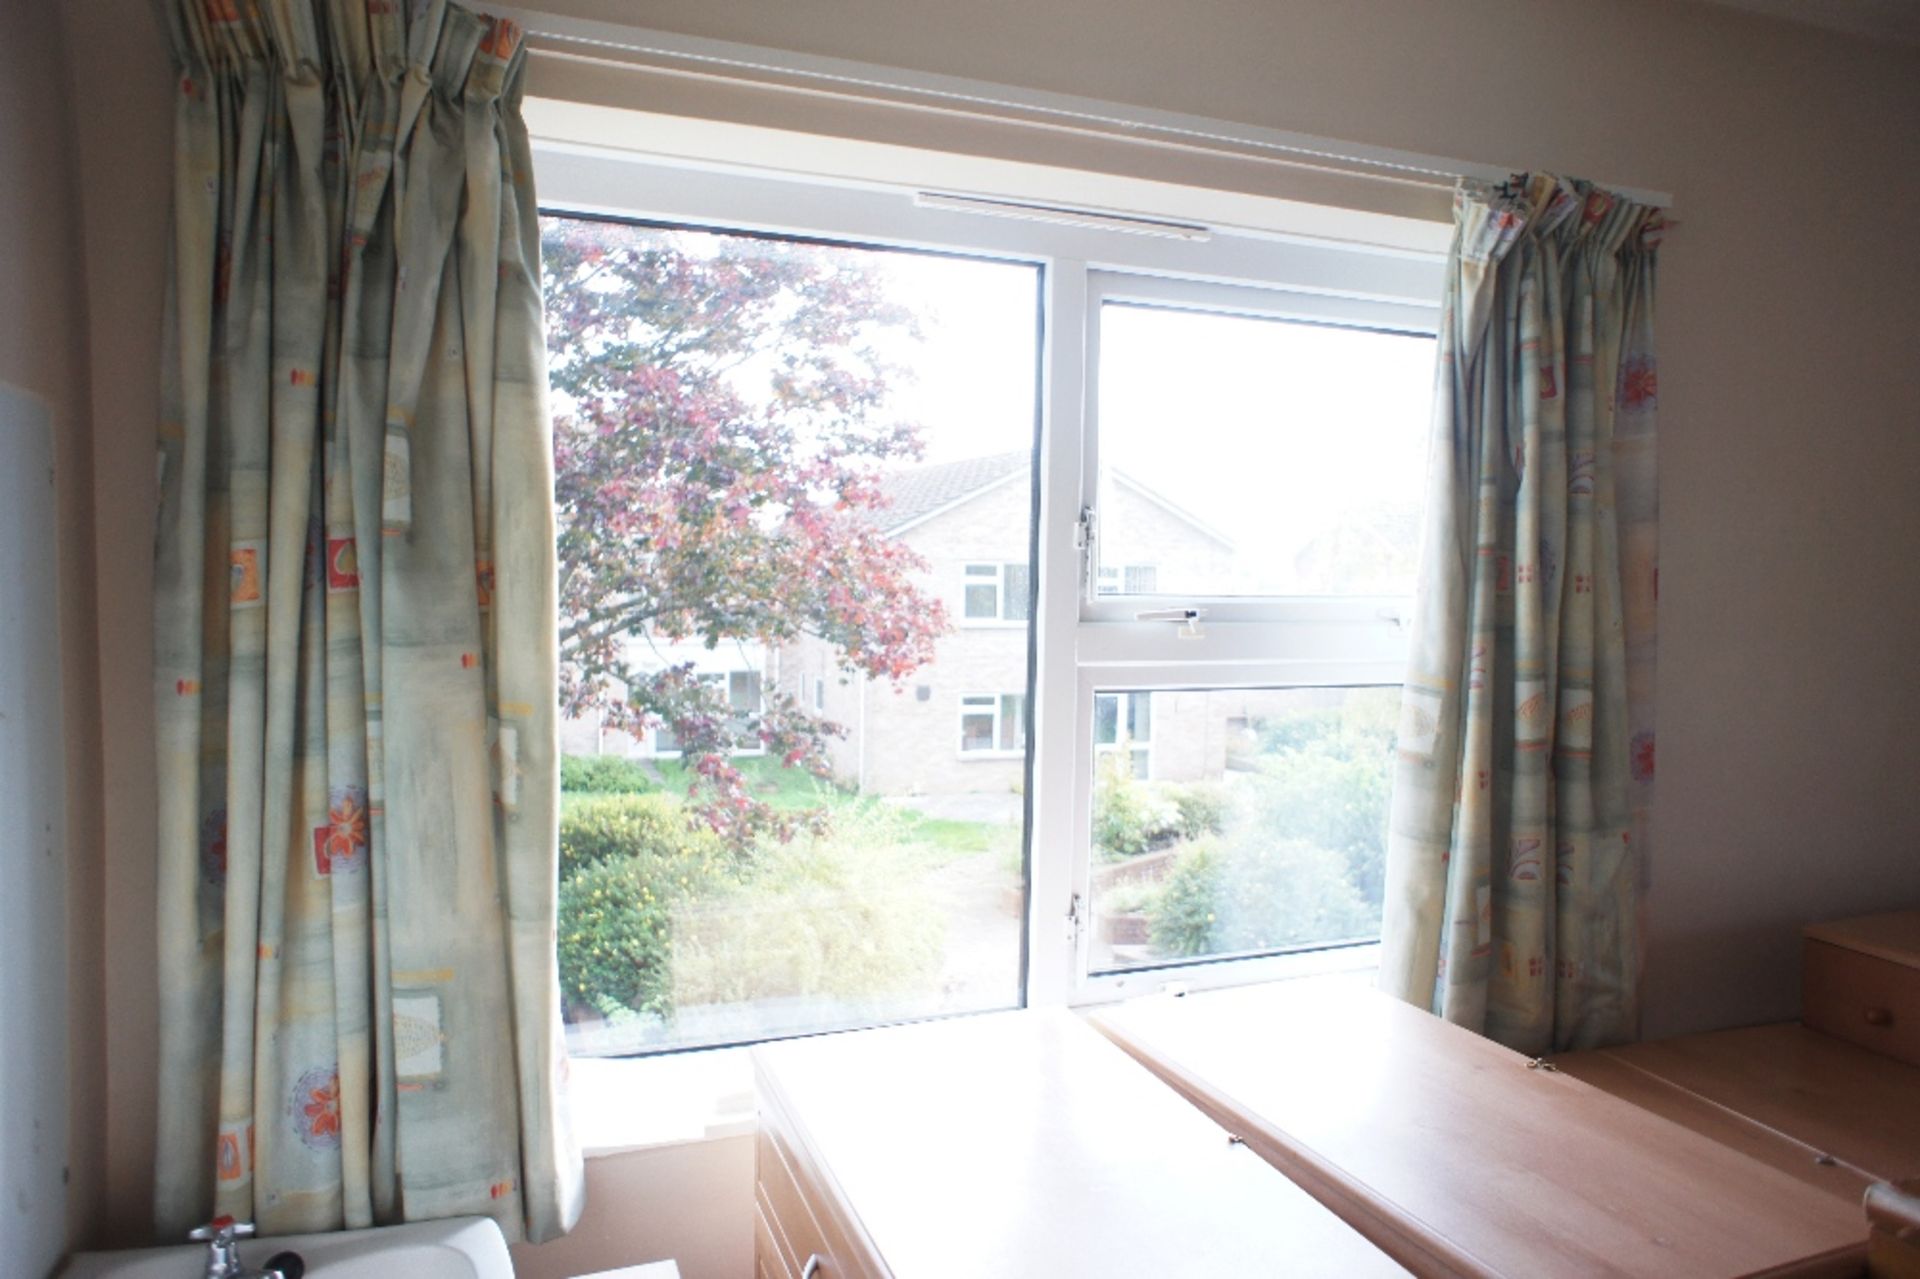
356	628
1523	786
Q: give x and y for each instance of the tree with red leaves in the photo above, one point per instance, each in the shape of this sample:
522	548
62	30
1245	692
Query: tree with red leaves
720	432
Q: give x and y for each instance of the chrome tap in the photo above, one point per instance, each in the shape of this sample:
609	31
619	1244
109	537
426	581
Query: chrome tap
222	1236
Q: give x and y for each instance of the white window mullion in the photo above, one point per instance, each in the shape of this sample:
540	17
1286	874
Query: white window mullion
1052	963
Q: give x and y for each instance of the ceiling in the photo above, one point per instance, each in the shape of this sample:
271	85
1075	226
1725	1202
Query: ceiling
1896	20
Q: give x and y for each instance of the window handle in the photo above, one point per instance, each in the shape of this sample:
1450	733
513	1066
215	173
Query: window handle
1189	619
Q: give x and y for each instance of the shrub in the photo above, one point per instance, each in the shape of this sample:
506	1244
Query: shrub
839	915
603	827
604	775
627	862
1335	801
1254	894
1130	817
614	936
1202	807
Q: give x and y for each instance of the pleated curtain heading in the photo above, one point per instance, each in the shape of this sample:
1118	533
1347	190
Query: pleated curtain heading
356	629
1523	784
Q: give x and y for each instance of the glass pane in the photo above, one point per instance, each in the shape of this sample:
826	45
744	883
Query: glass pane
1013	725
791	470
1018	585
1247	456
1258	824
976	731
1106	719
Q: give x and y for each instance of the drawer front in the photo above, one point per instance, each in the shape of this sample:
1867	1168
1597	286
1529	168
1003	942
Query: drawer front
1862	999
801	1219
770	1258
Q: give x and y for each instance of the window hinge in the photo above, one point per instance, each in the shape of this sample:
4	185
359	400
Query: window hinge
1073	919
1083	535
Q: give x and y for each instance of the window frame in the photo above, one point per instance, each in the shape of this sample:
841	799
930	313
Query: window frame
1079	640
998	575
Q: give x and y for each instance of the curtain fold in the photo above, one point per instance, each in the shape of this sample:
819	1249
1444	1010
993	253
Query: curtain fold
1523	779
355	632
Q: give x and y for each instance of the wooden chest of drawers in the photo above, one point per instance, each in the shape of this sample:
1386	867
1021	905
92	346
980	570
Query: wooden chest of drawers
1014	1146
1861	982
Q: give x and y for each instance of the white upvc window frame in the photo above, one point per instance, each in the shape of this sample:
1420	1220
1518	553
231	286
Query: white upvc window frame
1084	642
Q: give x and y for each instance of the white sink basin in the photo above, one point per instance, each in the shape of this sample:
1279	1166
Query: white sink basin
460	1248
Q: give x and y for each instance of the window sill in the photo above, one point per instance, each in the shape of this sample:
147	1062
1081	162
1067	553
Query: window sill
623	1104
636	1103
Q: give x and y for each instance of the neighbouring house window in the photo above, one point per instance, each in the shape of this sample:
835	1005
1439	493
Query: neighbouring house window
997	592
1127	579
1123	724
995	723
743	702
819	693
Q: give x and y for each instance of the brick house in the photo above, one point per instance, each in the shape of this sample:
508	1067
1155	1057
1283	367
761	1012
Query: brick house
957	726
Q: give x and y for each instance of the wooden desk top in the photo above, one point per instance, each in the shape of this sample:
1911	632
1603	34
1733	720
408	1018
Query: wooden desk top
1023	1144
1455	1157
1858	1106
1893	935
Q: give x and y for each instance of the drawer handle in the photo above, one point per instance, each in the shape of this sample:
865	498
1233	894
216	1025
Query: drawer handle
1879	1016
812	1267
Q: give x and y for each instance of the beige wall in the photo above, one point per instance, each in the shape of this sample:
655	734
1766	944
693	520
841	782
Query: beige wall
43	351
690	1202
1789	297
123	123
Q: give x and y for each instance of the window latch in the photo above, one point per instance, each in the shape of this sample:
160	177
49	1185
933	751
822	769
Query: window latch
1189	619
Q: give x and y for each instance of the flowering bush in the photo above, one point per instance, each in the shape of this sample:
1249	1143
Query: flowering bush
626	863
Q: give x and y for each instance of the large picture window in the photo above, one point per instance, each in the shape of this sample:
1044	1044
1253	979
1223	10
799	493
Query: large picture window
1025	630
770	456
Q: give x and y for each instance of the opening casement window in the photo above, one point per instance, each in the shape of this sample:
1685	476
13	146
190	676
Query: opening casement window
1138	508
